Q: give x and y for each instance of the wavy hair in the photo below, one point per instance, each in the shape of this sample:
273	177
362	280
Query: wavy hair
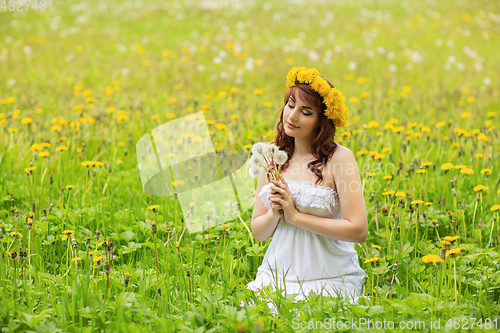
323	145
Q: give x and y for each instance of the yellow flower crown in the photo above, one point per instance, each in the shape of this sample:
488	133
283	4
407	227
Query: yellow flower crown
332	97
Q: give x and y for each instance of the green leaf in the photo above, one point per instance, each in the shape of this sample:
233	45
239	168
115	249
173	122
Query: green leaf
128	235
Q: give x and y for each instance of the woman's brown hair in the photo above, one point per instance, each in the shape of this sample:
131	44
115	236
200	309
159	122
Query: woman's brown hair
323	145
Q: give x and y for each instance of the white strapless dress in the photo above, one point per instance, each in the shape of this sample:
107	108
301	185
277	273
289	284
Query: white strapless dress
304	261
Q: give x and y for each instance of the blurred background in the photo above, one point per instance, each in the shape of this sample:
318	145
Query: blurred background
82	81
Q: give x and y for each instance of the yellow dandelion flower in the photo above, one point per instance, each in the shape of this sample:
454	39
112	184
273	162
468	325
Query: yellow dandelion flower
451	238
453	252
446	166
486	171
480	188
26	121
432	258
69	187
97	259
371	260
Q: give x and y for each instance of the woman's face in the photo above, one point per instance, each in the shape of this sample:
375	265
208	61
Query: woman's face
304	117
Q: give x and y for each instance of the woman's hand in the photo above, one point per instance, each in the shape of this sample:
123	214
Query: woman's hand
282	196
276	208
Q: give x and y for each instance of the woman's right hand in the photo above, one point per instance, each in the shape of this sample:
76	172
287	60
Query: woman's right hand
276	208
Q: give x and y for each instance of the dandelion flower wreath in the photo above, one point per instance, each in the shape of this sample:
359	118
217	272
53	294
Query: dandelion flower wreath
336	110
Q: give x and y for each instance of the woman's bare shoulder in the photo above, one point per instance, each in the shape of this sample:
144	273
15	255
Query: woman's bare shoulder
340	157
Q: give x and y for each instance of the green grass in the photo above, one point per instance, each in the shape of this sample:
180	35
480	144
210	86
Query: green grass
43	65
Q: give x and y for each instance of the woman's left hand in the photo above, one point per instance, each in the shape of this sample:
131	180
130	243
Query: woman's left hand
286	201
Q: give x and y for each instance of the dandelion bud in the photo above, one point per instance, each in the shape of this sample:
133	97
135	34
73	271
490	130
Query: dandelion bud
372	196
159	291
388	280
224	227
450	216
127	278
87	242
384	211
30	224
13	255
25	255
74	244
401	203
153	227
97	232
177	245
16	212
62	190
33	208
187	272
395	267
51	179
12	209
110	245
44	212
108	267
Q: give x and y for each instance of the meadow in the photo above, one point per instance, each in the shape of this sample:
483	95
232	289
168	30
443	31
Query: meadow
84	248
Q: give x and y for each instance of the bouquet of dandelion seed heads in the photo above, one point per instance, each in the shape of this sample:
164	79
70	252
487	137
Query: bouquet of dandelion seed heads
271	154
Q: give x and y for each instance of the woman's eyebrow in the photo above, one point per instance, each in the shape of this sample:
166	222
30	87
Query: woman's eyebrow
304	107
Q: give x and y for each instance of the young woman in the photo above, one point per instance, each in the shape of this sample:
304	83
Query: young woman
320	194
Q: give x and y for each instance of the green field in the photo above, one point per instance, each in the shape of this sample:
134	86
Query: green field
84	81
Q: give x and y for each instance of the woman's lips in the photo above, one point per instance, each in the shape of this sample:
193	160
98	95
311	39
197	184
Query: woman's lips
290	125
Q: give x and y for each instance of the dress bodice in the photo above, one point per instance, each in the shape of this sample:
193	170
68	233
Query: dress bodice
309	198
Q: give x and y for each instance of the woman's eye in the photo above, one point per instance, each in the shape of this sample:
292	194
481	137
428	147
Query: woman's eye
306	114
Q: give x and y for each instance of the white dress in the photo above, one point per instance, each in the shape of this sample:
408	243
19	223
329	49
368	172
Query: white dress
306	261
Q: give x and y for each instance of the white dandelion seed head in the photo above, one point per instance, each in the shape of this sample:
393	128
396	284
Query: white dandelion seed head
270	149
256	161
258	148
254	172
280	157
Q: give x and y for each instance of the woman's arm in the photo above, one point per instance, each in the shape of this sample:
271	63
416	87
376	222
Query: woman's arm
331	228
